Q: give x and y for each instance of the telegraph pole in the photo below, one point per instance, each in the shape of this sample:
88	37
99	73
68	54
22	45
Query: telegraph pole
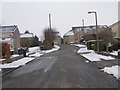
83	25
50	21
50	25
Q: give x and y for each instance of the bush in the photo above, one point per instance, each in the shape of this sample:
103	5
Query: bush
114	43
47	45
92	45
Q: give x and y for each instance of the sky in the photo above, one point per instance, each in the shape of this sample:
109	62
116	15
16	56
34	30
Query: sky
33	16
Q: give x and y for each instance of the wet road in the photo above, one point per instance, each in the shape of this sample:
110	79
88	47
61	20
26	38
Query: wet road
60	69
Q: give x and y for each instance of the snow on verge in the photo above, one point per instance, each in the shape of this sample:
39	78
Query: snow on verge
112	70
80	45
114	53
25	60
91	56
84	50
17	63
34	49
52	50
106	57
96	57
36	52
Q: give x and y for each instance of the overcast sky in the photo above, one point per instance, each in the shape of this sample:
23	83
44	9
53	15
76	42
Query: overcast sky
33	16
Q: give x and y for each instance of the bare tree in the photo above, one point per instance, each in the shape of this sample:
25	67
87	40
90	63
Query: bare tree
49	35
88	37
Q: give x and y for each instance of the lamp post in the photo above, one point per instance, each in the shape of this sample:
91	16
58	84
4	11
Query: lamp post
96	28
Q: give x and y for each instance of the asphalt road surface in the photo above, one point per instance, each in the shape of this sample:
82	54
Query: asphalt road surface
61	69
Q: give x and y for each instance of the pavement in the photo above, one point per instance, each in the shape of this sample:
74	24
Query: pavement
60	69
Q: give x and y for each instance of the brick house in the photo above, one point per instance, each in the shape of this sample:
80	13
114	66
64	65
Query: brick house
26	39
76	34
69	37
116	29
11	35
57	40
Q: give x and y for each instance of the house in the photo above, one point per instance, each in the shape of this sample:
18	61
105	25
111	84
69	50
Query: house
80	31
69	37
116	29
10	34
26	39
116	33
76	35
57	40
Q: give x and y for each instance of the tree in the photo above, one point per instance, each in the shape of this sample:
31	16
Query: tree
26	42
49	35
105	34
88	37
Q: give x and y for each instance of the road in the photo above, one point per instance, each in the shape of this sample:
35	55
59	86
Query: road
61	69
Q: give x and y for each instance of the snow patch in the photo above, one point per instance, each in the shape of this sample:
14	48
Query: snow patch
87	61
112	70
15	55
84	50
52	50
106	57
114	53
80	45
37	54
25	60
17	63
91	56
96	57
34	49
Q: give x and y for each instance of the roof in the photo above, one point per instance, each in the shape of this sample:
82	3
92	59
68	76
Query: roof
8	28
69	33
26	35
6	40
115	23
87	28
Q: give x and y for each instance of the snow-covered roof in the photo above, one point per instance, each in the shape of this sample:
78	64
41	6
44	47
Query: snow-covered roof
26	35
8	28
87	28
6	40
69	33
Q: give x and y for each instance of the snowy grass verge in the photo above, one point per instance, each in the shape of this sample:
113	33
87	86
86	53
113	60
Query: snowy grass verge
52	50
114	70
91	55
80	45
25	60
114	53
17	63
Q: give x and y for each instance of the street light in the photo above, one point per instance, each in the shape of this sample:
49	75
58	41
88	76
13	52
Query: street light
96	28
